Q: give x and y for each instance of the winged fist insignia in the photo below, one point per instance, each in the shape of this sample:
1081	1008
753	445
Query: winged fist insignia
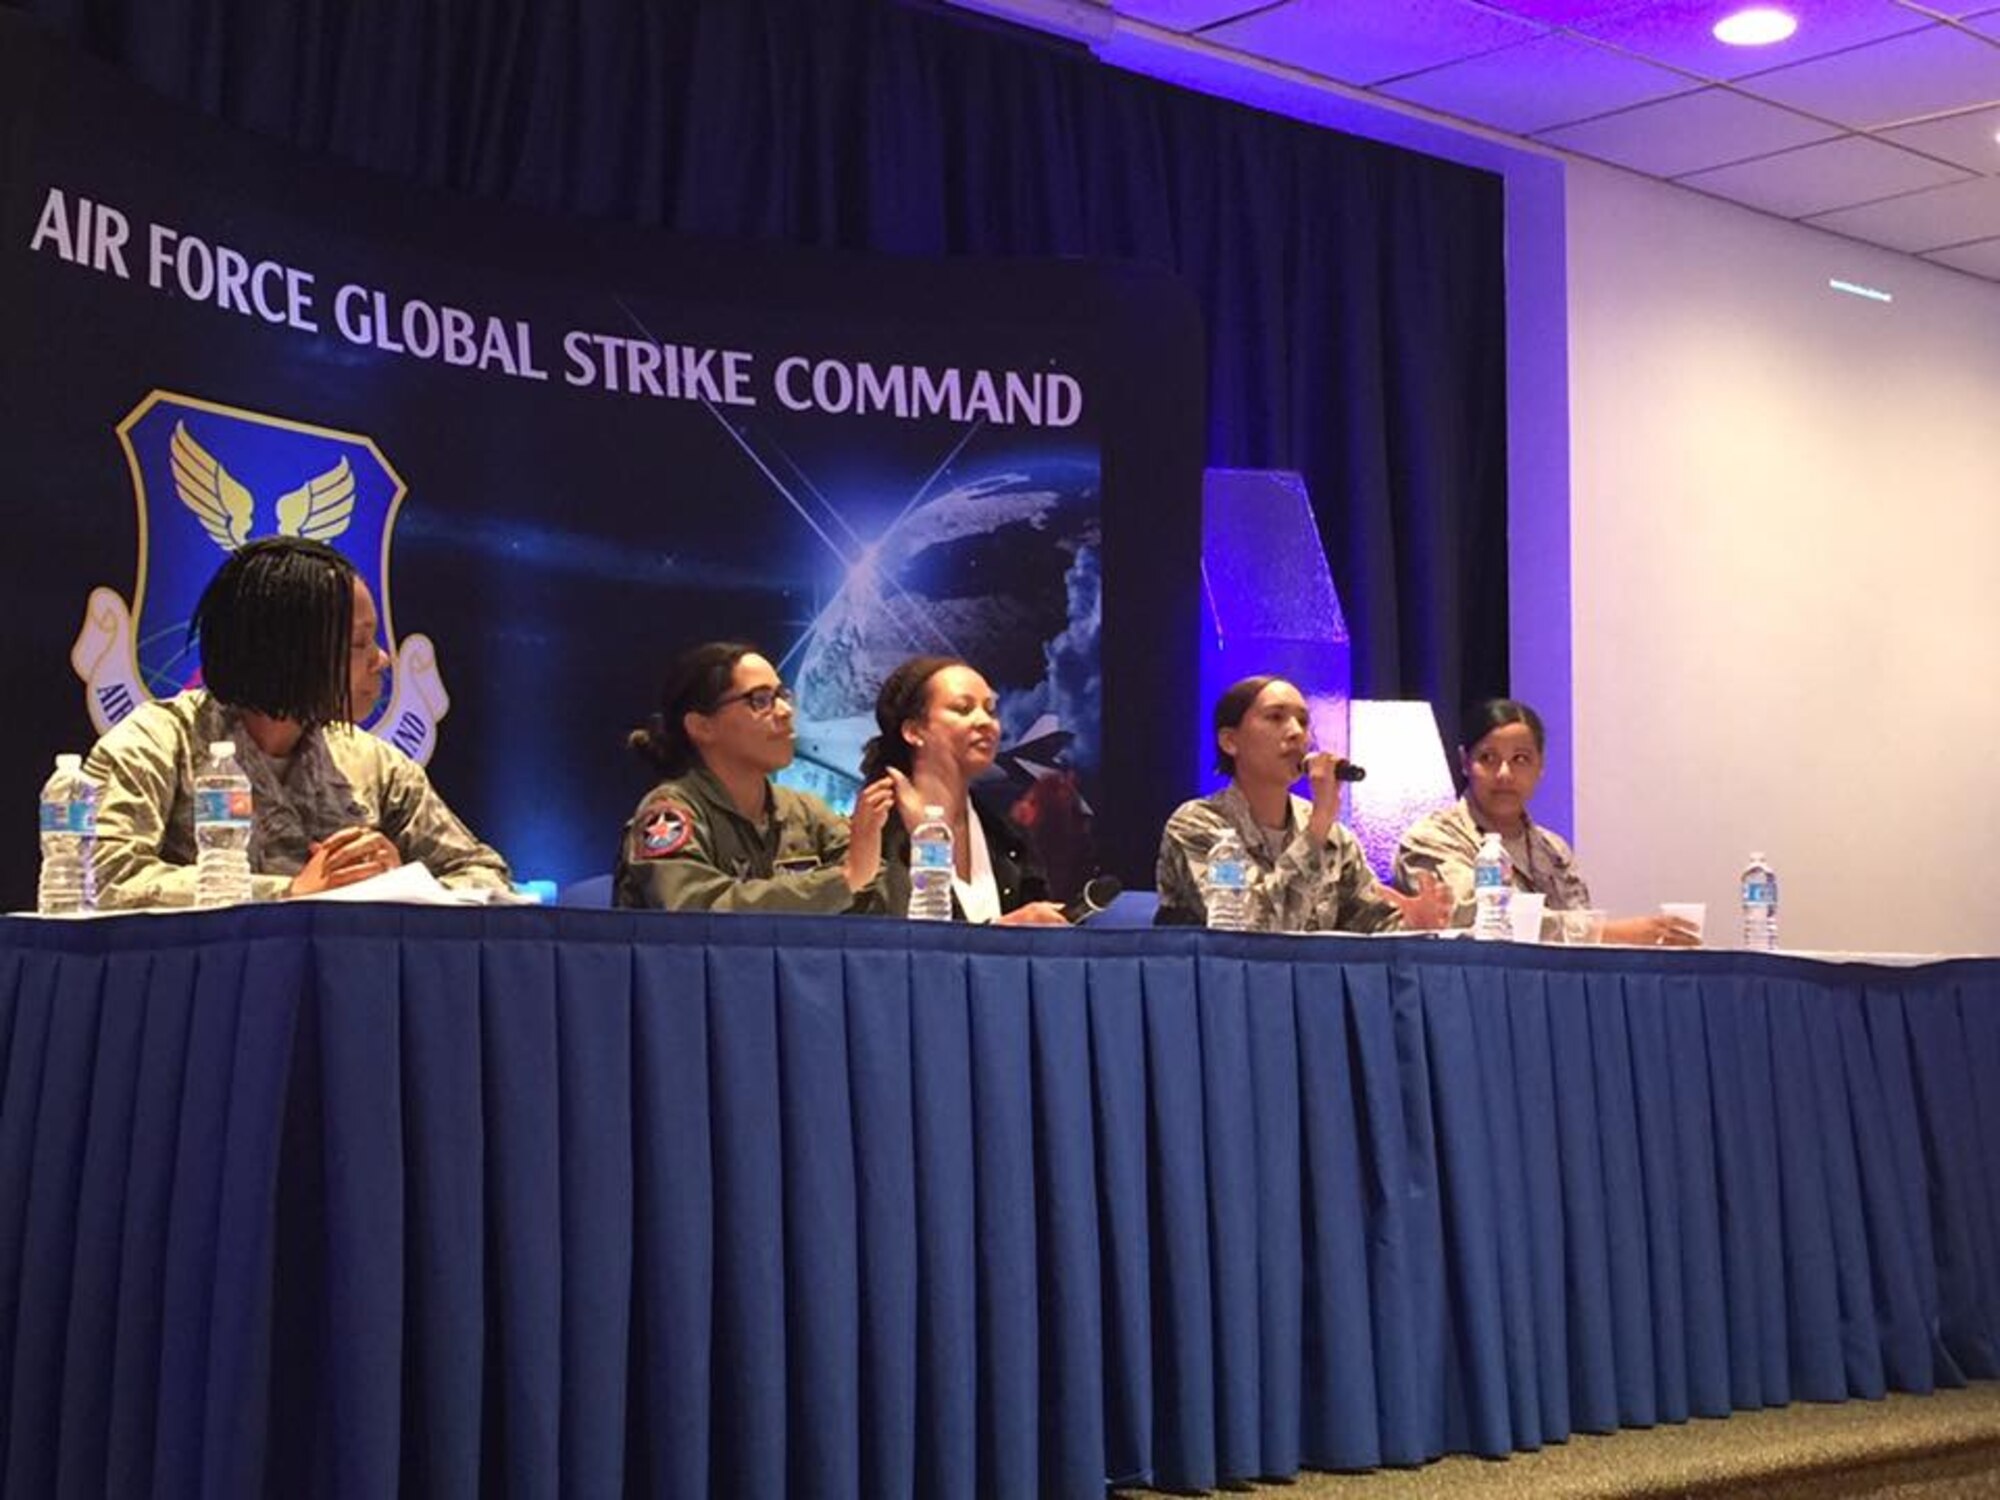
320	509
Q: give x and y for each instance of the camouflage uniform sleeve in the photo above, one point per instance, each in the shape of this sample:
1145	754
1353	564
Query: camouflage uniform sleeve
427	832
1182	861
1361	905
1572	891
1432	845
137	768
667	864
1283	897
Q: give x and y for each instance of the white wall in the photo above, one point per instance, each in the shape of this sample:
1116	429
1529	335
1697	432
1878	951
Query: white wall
1785	561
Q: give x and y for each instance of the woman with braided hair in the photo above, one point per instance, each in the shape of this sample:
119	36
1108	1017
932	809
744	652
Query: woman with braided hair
291	663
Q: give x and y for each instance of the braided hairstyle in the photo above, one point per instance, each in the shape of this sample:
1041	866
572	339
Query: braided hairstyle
274	626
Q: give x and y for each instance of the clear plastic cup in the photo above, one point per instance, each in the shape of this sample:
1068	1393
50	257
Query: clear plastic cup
1694	913
1582	925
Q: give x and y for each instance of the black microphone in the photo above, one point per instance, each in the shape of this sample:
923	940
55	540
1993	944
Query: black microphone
1343	768
1096	895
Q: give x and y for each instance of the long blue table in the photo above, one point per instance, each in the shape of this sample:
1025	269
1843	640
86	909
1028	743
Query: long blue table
349	1201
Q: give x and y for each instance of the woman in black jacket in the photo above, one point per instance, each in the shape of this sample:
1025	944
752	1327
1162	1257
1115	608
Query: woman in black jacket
939	731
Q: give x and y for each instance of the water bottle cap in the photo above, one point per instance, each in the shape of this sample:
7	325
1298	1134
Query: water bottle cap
218	749
1757	858
69	762
933	813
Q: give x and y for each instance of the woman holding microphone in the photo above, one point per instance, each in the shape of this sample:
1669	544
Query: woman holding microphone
1307	871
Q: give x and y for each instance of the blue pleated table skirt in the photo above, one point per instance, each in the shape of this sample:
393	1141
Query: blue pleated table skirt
350	1201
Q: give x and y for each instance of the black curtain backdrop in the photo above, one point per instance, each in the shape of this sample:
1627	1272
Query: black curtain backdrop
1353	292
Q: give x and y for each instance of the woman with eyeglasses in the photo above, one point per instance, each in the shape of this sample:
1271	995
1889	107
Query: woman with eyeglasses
939	723
718	834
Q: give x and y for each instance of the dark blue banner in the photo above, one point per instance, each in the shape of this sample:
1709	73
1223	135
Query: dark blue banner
560	452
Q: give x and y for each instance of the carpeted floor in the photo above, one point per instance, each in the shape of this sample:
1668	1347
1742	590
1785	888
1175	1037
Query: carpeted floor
1942	1447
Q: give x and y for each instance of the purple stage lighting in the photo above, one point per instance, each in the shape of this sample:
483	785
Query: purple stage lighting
1271	606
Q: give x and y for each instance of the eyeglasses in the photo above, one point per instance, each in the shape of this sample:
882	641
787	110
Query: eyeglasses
759	700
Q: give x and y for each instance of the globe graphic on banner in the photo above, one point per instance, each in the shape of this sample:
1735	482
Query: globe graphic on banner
1000	570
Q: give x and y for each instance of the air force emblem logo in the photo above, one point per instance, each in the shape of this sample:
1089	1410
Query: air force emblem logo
207	479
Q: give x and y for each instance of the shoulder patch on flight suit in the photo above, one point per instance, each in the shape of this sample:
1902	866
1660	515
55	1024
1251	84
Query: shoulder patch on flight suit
665	827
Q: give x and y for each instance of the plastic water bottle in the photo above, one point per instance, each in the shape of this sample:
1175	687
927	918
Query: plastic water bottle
69	839
1226	890
1760	905
931	868
1491	883
222	815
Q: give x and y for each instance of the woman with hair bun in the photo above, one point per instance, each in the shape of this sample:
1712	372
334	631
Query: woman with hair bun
1307	871
939	730
717	834
1501	759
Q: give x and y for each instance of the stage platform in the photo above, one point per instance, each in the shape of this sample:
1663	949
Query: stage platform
1941	1447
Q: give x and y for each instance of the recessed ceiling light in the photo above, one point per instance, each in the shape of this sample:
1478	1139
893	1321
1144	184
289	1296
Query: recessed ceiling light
1758	26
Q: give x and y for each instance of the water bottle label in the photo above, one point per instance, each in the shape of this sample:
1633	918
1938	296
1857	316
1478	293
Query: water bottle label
222	805
932	854
1760	893
1489	877
69	817
1229	875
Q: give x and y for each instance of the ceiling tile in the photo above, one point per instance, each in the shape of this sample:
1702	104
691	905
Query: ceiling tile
1967	139
1550	81
1981	259
1564	12
1678	32
1622	81
1929	72
1184	15
1366	41
1814	179
1689	132
1944	216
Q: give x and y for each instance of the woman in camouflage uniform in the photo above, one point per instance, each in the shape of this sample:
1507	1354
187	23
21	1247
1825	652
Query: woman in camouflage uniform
291	661
1308	873
1502	763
